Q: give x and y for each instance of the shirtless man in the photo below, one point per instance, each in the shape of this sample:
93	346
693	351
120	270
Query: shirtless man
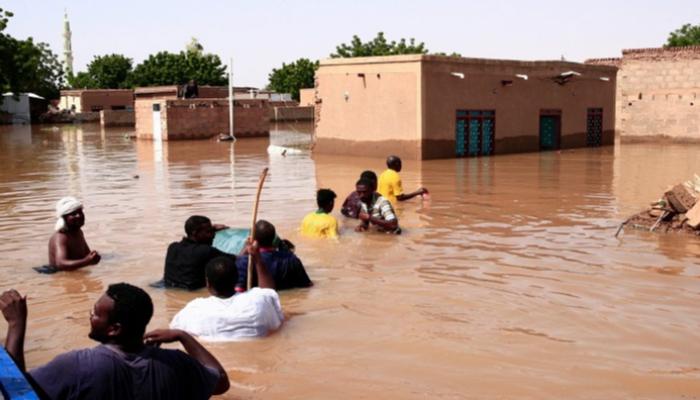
68	249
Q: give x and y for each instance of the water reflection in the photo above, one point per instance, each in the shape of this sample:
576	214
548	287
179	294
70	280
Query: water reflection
510	271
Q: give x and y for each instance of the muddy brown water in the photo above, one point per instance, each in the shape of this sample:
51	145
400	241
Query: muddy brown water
507	283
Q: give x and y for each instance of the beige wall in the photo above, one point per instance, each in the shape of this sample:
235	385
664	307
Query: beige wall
68	101
658	93
516	103
307	97
381	111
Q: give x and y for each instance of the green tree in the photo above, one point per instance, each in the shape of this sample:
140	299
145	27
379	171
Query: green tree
292	77
442	53
26	66
686	35
166	68
81	80
378	46
111	71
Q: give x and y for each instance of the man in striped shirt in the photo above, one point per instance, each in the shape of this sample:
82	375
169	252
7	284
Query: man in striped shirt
375	209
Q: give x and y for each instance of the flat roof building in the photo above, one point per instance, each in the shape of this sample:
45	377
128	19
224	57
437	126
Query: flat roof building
424	107
93	100
161	115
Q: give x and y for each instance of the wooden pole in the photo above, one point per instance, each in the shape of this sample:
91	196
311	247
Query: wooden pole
263	174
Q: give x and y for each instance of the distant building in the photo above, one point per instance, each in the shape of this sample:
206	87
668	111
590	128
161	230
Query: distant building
424	107
658	91
161	115
23	108
94	100
266	95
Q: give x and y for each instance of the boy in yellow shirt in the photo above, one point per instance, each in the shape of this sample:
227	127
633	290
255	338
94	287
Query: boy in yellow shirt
320	224
389	185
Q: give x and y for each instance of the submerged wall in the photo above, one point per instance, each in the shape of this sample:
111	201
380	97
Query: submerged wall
117	118
201	118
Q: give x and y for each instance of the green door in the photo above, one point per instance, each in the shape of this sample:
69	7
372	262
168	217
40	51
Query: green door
549	132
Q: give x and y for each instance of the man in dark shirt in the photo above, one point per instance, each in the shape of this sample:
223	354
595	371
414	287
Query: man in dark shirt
284	266
127	364
352	204
186	259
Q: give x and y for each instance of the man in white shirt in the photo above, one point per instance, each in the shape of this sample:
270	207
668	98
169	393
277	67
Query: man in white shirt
226	315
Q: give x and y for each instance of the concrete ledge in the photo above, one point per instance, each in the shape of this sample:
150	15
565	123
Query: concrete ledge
430	149
658	139
409	149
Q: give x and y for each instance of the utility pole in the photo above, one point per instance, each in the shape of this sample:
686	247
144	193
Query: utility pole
230	98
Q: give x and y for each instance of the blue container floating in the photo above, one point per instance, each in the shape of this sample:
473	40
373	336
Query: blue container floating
13	384
231	240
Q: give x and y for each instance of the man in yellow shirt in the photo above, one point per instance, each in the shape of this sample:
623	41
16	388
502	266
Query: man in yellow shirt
390	183
320	224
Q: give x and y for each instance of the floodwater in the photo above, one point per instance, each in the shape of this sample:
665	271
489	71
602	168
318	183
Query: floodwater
507	283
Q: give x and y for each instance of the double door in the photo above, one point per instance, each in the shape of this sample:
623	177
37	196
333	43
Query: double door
475	133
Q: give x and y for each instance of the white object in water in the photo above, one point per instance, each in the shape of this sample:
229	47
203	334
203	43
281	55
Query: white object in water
283	151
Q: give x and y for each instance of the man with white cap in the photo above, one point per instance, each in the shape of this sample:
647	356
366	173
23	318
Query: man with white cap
68	249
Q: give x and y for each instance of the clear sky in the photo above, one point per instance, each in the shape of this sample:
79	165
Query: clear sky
262	34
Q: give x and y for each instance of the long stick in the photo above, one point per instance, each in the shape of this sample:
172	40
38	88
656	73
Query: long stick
263	174
658	221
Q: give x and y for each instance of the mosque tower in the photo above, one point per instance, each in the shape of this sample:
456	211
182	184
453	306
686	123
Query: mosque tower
67	49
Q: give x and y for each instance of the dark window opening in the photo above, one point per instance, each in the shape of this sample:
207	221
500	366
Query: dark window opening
594	127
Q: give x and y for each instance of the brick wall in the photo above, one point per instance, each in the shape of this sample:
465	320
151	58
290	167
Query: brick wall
117	117
657	93
202	118
86	117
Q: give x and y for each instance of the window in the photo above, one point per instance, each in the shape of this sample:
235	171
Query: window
475	133
594	127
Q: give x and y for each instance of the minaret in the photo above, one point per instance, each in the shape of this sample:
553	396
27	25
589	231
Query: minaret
67	50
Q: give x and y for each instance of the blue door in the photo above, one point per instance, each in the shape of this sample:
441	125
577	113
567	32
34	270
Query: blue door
474	133
550	133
